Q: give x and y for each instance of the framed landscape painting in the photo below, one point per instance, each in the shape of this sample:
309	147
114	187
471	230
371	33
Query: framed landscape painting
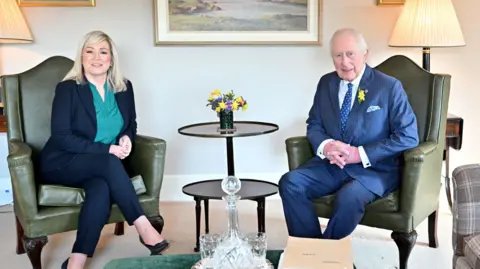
56	3
248	22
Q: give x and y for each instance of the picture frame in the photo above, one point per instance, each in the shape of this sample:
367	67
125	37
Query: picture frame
56	3
390	2
216	22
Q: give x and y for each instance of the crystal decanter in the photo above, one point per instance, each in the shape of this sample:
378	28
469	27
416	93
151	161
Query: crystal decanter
233	252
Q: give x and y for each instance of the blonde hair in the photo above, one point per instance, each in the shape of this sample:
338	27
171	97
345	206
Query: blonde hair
115	79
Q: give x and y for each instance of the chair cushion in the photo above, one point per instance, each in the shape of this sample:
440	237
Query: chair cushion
472	250
57	195
461	263
387	204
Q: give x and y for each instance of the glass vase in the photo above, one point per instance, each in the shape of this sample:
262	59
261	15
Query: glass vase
226	120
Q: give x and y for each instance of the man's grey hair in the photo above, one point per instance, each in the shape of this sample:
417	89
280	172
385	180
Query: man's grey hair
350	31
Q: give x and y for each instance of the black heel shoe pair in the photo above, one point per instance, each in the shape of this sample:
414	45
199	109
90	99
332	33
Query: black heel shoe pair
65	264
158	248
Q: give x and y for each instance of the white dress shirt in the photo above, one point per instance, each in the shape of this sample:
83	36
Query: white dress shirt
342	91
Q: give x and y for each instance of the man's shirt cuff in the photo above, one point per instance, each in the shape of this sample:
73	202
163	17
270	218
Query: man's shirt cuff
364	157
320	148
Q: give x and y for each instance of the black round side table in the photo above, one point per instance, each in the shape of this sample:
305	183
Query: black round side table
252	189
243	129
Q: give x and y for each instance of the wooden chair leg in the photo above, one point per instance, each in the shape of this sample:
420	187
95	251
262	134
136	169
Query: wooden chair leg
34	247
432	230
157	223
405	243
20	249
119	228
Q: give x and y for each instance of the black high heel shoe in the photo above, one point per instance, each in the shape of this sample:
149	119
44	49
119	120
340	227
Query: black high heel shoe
65	264
158	249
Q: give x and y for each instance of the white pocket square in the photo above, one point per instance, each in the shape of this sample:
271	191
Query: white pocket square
373	108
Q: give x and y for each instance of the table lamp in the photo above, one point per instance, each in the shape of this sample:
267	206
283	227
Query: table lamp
13	28
427	24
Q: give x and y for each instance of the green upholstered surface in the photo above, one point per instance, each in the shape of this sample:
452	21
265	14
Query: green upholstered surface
57	195
179	261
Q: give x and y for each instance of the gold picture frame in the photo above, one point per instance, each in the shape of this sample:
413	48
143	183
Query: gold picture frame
56	3
390	2
177	24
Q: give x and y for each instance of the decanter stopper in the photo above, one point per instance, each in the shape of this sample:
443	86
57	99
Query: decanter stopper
231	185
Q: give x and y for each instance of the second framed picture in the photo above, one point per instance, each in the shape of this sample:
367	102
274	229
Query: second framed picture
390	2
56	3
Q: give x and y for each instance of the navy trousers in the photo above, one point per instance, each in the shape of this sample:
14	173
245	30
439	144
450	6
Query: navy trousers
105	182
313	180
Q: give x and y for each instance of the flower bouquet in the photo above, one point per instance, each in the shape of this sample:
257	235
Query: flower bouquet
224	105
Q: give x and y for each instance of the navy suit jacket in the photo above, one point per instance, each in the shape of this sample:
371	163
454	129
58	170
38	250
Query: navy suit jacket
74	124
384	133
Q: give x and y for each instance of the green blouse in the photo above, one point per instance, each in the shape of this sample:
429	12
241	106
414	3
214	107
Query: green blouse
109	118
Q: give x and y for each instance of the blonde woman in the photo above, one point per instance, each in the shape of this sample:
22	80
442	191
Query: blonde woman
93	125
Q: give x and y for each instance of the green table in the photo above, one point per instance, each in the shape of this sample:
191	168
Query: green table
178	261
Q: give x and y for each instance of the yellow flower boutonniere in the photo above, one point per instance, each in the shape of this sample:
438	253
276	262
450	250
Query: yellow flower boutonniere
361	95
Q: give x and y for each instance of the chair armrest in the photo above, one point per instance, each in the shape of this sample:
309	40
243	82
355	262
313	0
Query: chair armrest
148	159
421	178
465	205
299	151
22	175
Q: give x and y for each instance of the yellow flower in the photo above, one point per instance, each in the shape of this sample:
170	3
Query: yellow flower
217	109
215	92
361	95
239	100
234	105
244	107
222	105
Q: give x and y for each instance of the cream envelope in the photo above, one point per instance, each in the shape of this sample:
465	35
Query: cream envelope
306	253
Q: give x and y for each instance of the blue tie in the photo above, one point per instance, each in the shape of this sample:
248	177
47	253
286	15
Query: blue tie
347	101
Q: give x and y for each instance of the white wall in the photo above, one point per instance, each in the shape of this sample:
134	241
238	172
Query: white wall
172	83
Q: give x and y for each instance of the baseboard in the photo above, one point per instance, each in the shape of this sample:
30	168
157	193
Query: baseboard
6	195
172	184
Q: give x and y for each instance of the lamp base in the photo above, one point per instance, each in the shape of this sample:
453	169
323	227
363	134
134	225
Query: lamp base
426	59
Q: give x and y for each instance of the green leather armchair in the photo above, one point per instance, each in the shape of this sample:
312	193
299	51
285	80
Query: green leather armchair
43	210
418	196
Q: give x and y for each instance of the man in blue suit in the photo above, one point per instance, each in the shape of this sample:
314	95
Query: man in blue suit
359	125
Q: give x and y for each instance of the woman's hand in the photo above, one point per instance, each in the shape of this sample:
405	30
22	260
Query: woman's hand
126	144
118	151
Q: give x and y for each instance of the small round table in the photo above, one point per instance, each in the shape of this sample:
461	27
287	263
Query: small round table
252	189
243	129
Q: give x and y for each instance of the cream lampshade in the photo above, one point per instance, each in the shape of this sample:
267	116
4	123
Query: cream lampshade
13	28
427	24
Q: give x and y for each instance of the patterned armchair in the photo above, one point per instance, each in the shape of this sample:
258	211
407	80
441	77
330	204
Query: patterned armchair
466	217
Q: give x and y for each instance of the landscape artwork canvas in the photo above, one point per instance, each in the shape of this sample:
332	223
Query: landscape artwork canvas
180	22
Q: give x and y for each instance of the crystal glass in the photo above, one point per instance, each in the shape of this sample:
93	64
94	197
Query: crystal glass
258	244
208	245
